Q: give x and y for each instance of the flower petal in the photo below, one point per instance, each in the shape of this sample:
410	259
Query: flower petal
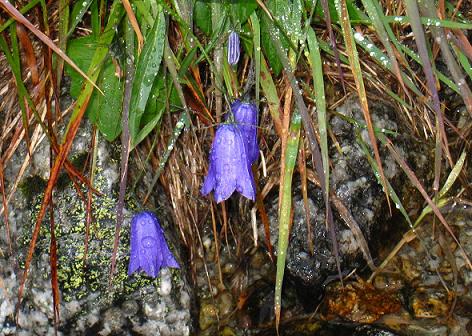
210	180
229	167
225	147
245	114
148	248
234	49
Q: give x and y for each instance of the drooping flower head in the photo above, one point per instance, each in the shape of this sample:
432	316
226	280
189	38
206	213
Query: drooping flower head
234	49
149	251
229	169
245	116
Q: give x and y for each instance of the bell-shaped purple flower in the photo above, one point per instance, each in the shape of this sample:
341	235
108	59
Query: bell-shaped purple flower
149	250
229	168
245	116
234	49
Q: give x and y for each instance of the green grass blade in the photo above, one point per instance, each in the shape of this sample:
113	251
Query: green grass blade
413	13
318	83
464	61
453	175
63	37
332	39
285	209
30	5
13	59
256	38
270	93
184	119
391	191
77	14
185	10
375	15
446	53
430	22
416	182
358	78
383	60
441	201
146	70
125	139
310	133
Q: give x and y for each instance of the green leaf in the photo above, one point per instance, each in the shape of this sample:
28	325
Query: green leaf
355	14
147	69
109	105
156	106
278	8
78	11
202	16
241	10
81	51
104	110
430	21
316	63
100	52
291	153
257	51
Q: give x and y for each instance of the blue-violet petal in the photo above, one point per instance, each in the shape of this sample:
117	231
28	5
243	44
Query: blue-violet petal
148	248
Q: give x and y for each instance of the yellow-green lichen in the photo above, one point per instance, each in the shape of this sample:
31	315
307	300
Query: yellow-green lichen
76	279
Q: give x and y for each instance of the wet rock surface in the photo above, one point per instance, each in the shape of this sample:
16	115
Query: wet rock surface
136	305
434	302
298	328
355	185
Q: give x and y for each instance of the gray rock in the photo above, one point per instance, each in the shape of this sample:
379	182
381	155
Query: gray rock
135	305
354	183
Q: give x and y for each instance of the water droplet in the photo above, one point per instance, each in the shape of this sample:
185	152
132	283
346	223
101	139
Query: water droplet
148	242
358	36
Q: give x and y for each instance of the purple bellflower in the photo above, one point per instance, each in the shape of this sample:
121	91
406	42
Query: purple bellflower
245	115
229	168
149	250
234	49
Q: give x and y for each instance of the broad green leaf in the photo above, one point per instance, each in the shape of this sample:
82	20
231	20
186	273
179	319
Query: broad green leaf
241	10
202	16
109	104
81	51
147	69
279	9
98	59
156	106
144	14
104	110
185	10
